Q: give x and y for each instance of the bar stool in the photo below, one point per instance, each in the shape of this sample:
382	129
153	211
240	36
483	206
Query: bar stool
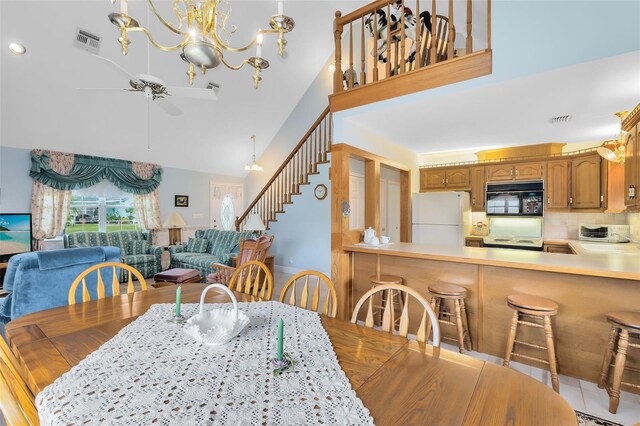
442	292
534	308
623	326
378	279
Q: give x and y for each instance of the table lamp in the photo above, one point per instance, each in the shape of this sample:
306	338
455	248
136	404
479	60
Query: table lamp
174	222
254	223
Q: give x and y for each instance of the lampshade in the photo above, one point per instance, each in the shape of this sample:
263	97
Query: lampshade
254	223
612	151
174	221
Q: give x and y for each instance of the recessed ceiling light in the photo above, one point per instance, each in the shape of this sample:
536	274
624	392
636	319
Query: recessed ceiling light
17	48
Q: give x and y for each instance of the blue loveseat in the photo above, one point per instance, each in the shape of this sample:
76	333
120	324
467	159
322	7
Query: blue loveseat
41	280
135	247
221	247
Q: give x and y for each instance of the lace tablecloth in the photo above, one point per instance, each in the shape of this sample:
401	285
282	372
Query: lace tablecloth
153	372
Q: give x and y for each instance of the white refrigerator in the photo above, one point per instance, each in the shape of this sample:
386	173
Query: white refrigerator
440	218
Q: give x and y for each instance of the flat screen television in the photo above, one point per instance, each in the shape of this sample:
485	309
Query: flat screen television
15	234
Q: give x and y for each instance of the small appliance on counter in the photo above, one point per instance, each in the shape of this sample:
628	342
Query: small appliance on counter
442	218
604	233
523	233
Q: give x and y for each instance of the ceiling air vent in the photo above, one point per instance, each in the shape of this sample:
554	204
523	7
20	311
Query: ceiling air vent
87	41
560	119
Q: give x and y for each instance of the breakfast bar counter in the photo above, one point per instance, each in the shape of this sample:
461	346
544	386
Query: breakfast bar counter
585	286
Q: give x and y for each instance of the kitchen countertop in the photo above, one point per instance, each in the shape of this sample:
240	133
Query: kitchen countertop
601	264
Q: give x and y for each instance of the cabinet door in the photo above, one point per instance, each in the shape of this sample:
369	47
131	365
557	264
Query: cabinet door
529	171
499	172
478	187
631	169
585	182
432	179
457	178
557	184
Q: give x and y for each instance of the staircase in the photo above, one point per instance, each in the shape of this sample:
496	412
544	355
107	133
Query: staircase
302	162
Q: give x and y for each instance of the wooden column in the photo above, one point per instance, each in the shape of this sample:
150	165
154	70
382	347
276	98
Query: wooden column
340	265
372	195
337	74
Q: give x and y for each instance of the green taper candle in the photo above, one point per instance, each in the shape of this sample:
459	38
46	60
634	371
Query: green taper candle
178	296
280	330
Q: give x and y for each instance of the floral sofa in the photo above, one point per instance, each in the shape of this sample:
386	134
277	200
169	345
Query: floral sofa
135	247
208	247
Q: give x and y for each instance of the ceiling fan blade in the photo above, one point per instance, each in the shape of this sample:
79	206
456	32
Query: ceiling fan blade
168	106
191	92
117	67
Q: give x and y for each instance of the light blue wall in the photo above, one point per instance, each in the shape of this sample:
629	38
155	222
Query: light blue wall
194	184
303	233
15	183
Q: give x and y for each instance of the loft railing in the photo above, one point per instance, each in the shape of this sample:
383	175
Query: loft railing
387	39
303	161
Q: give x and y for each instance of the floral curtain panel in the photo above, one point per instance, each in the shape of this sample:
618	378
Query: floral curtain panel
55	174
87	171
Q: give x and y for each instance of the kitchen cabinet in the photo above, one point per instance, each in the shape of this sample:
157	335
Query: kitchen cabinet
518	171
586	182
632	159
478	188
557	184
446	178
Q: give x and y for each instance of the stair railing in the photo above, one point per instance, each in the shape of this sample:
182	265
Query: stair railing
303	161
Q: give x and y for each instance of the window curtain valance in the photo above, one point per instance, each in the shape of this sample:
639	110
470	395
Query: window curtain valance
87	171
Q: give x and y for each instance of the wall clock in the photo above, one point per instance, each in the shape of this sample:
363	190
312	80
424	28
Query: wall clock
320	192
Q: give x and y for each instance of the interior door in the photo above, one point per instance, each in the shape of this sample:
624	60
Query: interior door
393	211
226	205
356	201
384	207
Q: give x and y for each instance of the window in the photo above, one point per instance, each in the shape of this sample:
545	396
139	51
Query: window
103	211
227	214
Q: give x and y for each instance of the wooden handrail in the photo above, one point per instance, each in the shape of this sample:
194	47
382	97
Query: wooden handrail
284	164
363	11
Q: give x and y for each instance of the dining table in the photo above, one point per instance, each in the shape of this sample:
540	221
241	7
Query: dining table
399	380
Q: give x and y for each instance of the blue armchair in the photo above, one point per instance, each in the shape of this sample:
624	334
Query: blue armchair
41	280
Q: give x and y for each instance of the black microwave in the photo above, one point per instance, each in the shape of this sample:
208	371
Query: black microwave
515	199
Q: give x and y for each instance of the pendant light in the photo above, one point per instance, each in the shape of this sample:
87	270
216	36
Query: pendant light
253	165
614	149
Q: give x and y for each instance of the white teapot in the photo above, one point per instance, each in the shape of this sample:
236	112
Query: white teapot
369	235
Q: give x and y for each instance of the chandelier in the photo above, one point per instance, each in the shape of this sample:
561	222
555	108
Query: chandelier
204	30
614	149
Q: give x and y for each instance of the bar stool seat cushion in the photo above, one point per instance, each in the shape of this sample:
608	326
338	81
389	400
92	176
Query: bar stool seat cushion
625	318
447	289
385	279
533	303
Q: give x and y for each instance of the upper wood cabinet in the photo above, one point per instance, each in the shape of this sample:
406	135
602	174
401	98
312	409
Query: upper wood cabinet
478	187
449	178
515	171
586	182
557	184
631	124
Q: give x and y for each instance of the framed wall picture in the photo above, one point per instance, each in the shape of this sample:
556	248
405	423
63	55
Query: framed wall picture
182	201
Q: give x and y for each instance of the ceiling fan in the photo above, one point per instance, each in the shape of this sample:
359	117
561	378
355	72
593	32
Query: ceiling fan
155	90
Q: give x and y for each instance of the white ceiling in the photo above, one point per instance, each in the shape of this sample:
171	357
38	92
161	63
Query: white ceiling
41	106
516	112
548	64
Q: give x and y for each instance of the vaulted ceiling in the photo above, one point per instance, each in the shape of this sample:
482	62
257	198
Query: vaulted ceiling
41	106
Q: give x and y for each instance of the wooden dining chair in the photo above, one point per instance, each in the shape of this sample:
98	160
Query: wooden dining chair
257	249
394	290
100	288
17	403
318	279
253	278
